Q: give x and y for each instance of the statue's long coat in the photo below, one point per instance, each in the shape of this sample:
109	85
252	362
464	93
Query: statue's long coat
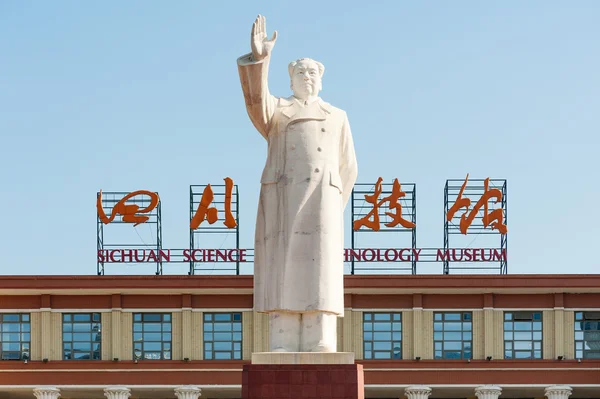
307	180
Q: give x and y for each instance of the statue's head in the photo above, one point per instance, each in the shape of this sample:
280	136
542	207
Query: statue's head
305	77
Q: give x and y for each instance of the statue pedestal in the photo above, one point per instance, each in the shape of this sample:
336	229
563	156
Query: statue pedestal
303	358
295	375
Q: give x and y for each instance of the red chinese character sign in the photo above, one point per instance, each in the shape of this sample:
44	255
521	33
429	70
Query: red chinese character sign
214	222
387	208
477	208
129	220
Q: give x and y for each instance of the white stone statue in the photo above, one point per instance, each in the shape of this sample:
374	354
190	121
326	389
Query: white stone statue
306	183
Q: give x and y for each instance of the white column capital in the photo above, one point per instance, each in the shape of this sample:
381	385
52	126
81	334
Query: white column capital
117	392
46	392
488	392
558	391
417	392
187	392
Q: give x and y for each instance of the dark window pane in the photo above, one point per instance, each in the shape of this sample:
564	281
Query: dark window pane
149	317
82	317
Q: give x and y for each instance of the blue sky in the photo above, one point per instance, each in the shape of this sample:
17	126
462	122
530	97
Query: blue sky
145	95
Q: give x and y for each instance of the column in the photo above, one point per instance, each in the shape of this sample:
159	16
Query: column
186	333
247	334
187	392
417	392
488	333
418	332
488	392
558	392
559	332
46	329
117	392
116	337
46	393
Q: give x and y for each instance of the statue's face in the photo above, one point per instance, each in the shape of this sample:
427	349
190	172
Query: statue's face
306	80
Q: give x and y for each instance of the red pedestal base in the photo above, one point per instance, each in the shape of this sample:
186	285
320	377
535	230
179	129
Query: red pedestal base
287	381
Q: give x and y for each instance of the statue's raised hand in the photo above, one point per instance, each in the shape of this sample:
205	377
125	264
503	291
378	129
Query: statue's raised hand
261	46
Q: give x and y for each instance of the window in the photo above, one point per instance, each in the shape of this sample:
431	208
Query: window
222	336
452	335
587	335
16	336
152	336
82	335
522	335
382	335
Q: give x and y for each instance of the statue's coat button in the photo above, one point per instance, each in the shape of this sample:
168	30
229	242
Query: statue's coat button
319	149
317	170
322	129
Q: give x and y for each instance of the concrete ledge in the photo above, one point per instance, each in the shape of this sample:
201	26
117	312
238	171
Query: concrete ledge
303	358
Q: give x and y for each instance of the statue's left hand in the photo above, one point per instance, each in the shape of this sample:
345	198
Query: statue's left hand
261	46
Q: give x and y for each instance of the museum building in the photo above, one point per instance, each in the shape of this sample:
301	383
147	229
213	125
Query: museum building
427	336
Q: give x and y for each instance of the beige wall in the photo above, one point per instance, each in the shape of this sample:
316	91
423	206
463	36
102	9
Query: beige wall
46	333
548	334
559	332
56	352
106	342
427	333
115	329
247	334
357	332
348	331
187	335
478	335
260	332
569	334
197	336
35	350
340	334
417	333
176	336
498	334
407	335
126	336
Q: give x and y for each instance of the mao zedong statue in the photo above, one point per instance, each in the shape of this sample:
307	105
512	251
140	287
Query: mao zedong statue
306	183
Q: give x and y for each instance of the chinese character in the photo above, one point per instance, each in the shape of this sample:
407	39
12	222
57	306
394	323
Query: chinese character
211	213
128	211
397	218
495	218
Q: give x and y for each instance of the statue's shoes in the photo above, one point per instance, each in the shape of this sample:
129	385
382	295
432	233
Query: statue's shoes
279	350
321	347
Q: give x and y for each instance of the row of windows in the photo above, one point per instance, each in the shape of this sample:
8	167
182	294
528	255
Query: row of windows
152	336
453	335
382	335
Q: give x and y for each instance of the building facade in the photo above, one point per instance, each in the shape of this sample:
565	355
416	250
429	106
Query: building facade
513	336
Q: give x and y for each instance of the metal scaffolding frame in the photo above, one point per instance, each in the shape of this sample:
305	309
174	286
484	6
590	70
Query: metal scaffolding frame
473	190
360	208
109	200
219	191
